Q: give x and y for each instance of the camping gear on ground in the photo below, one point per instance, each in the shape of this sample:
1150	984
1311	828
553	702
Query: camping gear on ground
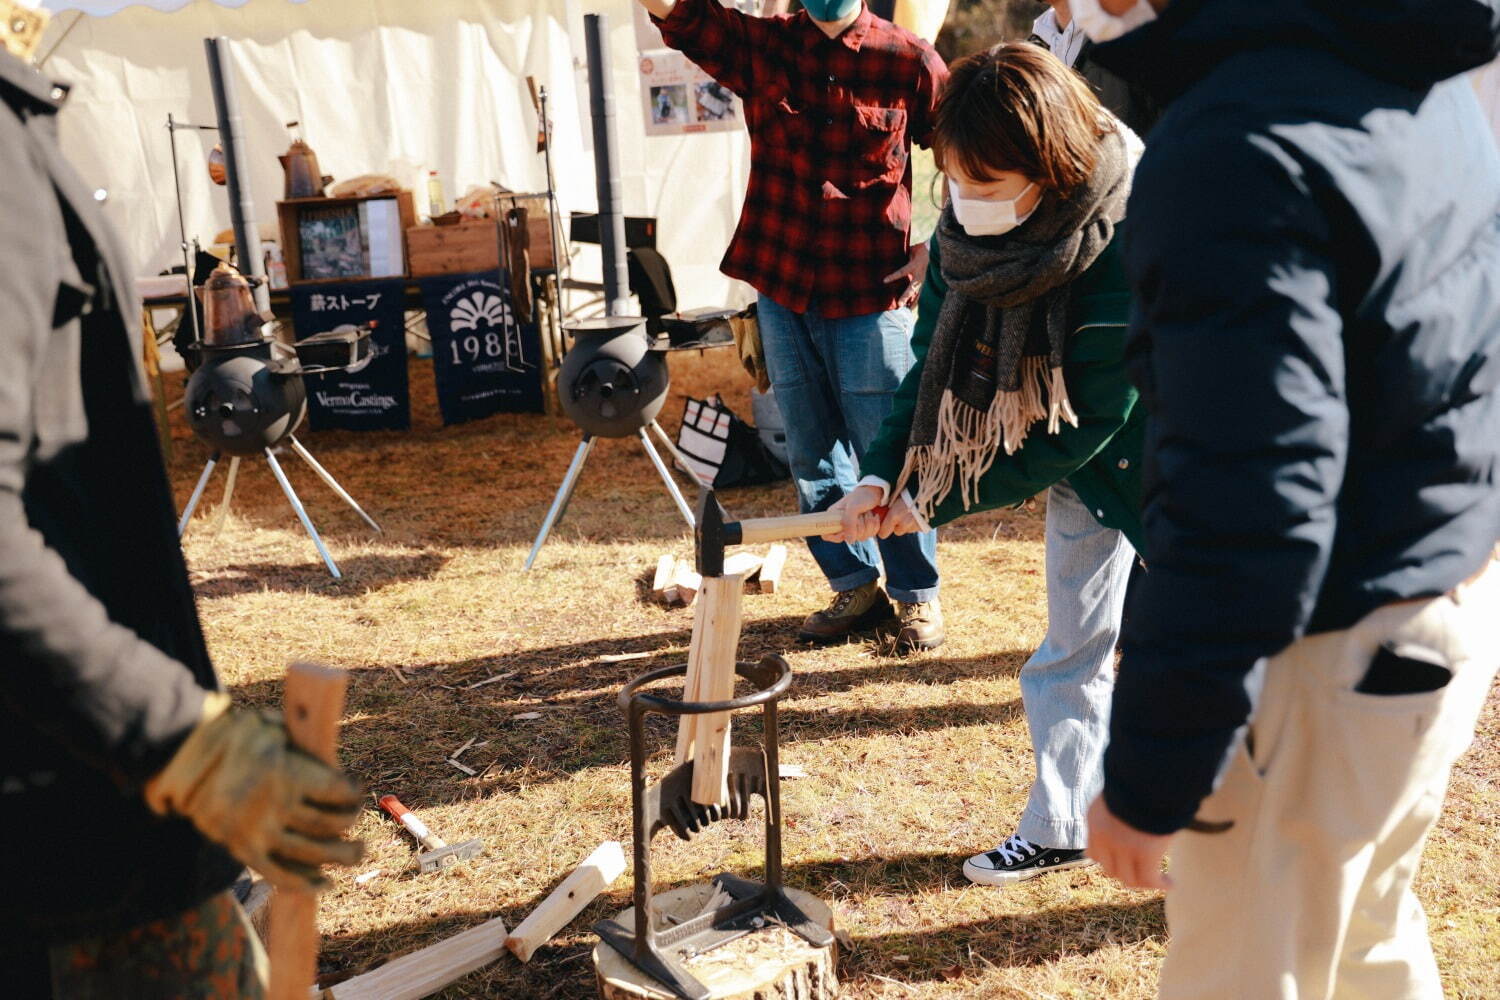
612	384
722	450
247	396
769	423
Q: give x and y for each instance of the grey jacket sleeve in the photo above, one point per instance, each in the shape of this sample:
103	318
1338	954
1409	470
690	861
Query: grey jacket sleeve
1238	351
114	700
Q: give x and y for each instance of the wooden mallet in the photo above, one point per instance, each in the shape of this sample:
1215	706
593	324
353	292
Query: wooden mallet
439	854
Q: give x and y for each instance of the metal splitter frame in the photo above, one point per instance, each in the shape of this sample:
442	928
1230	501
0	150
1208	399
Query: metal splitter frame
668	804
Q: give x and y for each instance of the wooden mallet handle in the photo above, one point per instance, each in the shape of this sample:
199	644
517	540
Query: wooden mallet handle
779	529
312	705
413	824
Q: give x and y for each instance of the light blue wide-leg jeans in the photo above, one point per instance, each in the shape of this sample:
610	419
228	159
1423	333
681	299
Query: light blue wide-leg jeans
1067	684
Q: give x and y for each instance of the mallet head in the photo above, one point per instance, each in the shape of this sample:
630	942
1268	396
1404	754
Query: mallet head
710	534
449	855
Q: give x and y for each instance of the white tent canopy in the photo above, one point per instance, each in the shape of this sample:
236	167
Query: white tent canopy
379	86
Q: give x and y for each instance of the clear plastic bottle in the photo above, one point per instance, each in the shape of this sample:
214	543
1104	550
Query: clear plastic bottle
435	203
276	266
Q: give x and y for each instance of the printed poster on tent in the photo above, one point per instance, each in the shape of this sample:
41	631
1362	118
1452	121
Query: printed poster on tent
484	358
376	396
679	98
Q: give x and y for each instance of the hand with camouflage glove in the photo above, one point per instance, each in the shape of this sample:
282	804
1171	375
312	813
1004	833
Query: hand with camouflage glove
243	784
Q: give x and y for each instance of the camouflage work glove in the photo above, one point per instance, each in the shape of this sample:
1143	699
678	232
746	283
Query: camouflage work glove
243	785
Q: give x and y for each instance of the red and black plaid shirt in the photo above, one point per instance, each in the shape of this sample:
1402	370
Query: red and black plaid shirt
828	208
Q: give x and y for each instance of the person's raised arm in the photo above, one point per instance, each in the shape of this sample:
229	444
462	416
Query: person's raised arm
723	41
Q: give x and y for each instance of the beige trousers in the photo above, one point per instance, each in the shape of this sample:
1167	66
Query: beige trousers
1332	793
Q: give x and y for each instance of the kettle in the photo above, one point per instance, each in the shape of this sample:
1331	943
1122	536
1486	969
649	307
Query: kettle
230	318
303	179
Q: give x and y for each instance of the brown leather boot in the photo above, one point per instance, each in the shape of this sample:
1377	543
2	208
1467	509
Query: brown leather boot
852	611
921	626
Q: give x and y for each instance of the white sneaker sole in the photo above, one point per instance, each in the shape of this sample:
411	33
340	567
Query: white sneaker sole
988	876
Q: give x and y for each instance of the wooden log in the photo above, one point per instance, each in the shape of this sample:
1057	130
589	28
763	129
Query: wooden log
665	566
771	964
312	704
422	973
257	907
719	622
577	891
770	570
709	624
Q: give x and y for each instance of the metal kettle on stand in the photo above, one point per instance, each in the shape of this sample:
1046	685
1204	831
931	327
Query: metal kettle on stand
300	164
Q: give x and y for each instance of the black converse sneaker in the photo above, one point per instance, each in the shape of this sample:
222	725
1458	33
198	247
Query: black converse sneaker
1018	859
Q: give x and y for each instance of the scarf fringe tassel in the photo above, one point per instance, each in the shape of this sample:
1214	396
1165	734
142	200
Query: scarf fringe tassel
969	441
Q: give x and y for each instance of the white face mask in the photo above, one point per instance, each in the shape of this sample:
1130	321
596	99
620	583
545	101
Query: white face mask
987	216
1102	26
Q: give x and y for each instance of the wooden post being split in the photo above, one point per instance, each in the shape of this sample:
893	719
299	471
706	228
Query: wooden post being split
312	705
578	890
710	677
770	570
771	964
424	972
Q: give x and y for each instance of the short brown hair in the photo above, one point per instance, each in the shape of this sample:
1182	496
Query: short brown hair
1017	107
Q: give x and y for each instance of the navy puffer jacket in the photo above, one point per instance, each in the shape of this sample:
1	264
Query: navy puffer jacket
1313	245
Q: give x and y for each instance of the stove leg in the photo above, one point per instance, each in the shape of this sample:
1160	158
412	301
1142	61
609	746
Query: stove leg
223	514
666	477
333	484
564	493
192	504
291	495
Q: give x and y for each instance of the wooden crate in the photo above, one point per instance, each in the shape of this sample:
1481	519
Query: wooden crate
474	246
289	213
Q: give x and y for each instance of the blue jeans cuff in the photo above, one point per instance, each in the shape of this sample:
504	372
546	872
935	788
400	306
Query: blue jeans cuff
912	596
850	581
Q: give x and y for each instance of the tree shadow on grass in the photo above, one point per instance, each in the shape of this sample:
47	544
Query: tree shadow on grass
939	952
363	574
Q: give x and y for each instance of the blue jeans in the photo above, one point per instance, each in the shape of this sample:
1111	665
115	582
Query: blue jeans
835	380
1067	684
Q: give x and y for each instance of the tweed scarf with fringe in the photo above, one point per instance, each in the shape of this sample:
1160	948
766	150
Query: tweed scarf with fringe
994	366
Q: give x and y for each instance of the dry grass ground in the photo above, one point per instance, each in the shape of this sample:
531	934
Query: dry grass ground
914	763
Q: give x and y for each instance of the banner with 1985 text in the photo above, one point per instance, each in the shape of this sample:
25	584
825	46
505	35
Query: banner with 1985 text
485	358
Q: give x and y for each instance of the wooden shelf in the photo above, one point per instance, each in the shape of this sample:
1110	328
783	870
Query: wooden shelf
289	218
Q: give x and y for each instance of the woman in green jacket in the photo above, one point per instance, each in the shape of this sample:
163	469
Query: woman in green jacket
1019	387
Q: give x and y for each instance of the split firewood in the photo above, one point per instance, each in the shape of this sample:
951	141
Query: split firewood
743	564
770	569
665	567
423	973
577	891
687	582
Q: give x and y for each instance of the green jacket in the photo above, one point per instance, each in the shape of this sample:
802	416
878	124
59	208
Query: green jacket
1100	458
